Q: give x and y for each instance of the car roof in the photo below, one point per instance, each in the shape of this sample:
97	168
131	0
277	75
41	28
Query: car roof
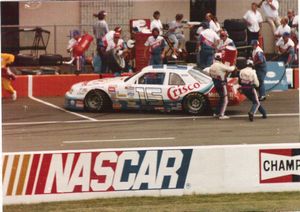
168	68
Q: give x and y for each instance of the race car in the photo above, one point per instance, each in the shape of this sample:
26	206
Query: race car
164	88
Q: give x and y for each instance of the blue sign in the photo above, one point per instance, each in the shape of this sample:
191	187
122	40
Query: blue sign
276	77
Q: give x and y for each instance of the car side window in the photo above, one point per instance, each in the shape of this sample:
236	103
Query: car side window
152	78
175	79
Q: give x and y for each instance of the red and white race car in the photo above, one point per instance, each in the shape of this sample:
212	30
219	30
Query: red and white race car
165	88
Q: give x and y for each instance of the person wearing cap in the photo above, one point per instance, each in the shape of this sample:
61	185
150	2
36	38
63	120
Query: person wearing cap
116	43
74	40
100	28
254	21
248	82
260	66
208	41
285	47
282	28
224	41
110	34
7	76
156	23
270	8
219	71
155	45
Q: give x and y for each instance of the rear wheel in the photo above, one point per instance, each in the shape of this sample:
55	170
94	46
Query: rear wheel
97	101
194	103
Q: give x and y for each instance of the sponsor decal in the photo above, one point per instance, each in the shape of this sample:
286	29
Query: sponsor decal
279	165
57	173
79	104
174	93
111	89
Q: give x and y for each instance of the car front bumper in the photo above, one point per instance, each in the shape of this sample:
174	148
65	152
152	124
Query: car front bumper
73	103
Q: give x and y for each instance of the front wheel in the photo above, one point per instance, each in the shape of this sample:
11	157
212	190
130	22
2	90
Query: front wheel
194	103
96	101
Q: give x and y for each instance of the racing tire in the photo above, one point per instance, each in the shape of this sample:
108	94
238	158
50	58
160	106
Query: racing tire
194	103
97	101
26	60
50	60
235	24
237	36
114	62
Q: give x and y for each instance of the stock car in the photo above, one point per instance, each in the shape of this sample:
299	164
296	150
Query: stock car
164	88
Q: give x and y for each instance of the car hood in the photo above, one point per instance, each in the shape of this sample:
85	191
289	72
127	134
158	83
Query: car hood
100	82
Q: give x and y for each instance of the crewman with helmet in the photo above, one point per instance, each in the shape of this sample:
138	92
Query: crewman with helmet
248	81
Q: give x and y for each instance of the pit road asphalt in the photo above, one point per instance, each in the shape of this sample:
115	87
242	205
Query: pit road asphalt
29	125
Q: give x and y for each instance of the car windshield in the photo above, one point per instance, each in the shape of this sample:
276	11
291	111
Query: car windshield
199	76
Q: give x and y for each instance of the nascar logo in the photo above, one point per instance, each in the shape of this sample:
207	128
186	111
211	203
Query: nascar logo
53	173
279	165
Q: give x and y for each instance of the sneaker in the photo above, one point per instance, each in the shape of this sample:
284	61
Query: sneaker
251	116
264	116
14	96
262	98
174	56
216	115
224	117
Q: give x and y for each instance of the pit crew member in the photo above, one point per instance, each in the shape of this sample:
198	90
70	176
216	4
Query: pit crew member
260	65
6	75
286	50
224	41
219	71
248	81
155	45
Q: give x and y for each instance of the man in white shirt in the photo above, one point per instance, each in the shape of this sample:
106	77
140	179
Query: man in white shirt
270	8
286	49
156	23
248	81
208	41
253	19
219	71
225	41
282	28
155	45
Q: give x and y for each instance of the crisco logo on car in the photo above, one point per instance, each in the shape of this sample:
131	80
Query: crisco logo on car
279	165
174	93
104	171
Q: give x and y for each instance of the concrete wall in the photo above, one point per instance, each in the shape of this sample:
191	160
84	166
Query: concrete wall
53	13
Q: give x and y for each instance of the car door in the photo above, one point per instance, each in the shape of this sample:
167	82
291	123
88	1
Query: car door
148	89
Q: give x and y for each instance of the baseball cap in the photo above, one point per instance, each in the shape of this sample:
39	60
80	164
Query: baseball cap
254	42
101	13
118	29
75	33
286	34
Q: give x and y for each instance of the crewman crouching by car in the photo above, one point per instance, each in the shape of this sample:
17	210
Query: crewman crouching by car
219	71
249	81
155	44
78	60
7	75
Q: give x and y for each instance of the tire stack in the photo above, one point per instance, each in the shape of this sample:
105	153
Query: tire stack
237	30
140	61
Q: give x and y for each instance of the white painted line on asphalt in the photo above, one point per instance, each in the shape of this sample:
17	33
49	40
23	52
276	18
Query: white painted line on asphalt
140	119
30	85
117	140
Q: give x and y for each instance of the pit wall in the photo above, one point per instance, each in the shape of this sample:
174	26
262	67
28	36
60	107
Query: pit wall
33	177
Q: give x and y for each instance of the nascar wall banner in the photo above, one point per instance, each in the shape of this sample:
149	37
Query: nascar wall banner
33	177
276	79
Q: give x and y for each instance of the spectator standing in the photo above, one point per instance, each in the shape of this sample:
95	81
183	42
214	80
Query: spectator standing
213	22
218	71
7	76
285	47
155	44
249	81
253	19
260	66
208	42
156	23
282	28
270	8
290	16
